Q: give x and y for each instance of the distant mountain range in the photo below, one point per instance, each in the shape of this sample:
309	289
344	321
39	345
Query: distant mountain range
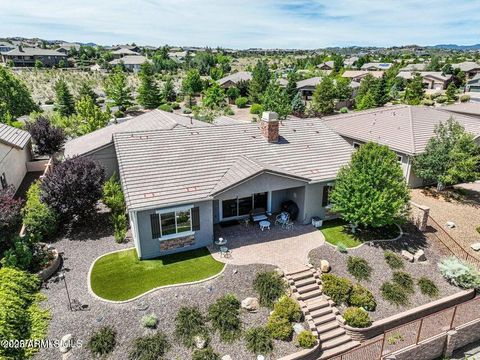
457	47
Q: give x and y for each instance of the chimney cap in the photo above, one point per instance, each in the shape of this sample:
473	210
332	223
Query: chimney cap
269	116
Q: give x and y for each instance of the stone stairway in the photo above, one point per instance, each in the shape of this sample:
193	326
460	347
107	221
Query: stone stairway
320	312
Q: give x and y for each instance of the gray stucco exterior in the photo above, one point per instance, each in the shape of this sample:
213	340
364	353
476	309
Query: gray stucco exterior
107	157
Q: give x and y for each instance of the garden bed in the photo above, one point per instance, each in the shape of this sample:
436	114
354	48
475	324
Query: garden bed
381	272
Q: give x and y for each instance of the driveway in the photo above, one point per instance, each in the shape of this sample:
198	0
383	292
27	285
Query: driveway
287	249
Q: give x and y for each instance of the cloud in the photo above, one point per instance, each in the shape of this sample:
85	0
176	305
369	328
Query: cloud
247	23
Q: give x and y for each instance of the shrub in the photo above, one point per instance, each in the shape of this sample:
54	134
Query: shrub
344	110
464	98
187	111
228	111
359	268
205	354
119	114
270	286
256	109
150	321
10	210
19	255
258	340
341	247
394	293
150	347
40	221
336	287
306	339
288	308
48	139
175	106
441	99
357	317
102	341
427	102
166	107
405	280
393	260
280	328
113	195
119	222
362	297
224	315
478	229
189	323
459	273
241	102
428	287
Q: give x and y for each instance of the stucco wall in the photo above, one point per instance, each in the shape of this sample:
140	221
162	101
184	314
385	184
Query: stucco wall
313	201
107	158
13	163
298	196
150	248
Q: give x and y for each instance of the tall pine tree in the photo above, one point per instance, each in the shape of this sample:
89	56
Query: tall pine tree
118	90
259	82
64	102
148	91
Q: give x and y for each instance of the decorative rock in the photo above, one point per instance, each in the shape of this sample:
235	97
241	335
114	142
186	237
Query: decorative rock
298	328
475	246
66	343
226	357
279	272
260	357
324	266
407	256
250	304
420	256
200	342
450	224
235	271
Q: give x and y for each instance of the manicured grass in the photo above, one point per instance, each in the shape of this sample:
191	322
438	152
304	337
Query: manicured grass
337	231
121	276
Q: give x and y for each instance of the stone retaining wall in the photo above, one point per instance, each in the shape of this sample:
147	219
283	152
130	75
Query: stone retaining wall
177	243
52	268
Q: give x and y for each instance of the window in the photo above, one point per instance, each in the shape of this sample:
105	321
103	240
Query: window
3	181
243	206
400	158
327	189
171	222
356	145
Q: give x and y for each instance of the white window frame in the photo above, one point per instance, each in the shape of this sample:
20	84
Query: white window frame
175	210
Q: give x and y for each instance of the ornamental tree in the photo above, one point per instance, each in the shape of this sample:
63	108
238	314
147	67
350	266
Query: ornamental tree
15	98
414	91
371	191
48	139
73	188
214	97
89	116
118	90
323	100
451	156
9	210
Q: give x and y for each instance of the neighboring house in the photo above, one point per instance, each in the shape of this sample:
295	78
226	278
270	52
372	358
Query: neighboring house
120	53
434	80
178	183
65	48
133	48
358	75
307	87
23	57
234	79
470	68
15	152
414	67
98	144
469	109
350	61
404	129
473	84
179	56
131	62
6	47
327	65
372	66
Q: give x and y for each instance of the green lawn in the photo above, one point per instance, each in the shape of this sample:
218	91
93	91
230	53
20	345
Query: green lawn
121	276
337	231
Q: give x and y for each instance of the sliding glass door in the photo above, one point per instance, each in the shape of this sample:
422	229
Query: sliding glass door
243	206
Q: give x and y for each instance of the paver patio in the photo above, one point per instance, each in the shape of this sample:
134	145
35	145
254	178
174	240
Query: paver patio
287	249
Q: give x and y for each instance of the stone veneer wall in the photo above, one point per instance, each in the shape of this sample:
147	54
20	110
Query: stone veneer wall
177	243
419	215
270	130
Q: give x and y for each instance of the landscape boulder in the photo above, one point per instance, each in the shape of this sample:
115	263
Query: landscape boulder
66	343
407	255
324	266
200	342
420	256
450	224
298	328
476	246
250	304
226	357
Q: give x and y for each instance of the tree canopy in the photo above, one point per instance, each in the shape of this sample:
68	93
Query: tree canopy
414	91
118	90
323	100
64	101
15	98
48	139
214	97
148	91
276	99
259	82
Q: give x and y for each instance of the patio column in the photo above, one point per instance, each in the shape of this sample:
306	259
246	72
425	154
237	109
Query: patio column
135	233
269	201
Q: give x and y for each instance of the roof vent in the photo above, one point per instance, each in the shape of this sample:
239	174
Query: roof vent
149	195
191	188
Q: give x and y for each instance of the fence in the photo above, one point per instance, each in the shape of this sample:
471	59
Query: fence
415	332
450	243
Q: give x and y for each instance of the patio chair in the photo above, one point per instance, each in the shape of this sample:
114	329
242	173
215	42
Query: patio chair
225	252
288	225
282	218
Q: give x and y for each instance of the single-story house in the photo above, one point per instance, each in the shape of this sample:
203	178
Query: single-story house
414	67
122	52
307	87
178	183
234	79
473	84
23	57
98	144
15	152
349	62
470	68
6	47
373	66
131	62
133	48
66	48
404	129
327	65
434	80
469	109
358	75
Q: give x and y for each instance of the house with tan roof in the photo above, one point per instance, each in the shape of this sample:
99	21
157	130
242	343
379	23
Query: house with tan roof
358	75
234	79
122	52
414	67
434	80
470	68
374	66
131	62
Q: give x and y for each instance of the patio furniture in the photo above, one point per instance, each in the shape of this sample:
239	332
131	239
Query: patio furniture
317	222
221	242
225	252
264	224
282	218
258	214
288	225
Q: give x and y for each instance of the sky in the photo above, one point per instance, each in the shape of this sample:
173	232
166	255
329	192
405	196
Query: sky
247	23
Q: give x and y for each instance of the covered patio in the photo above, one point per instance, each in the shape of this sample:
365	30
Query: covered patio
285	248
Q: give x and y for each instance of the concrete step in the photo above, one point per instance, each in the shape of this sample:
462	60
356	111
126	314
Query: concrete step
306	281
308	288
311	294
324	319
336	342
330	334
300	275
315	304
327	354
320	312
327	327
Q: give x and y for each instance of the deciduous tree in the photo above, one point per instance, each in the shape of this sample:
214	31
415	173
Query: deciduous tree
118	90
47	139
15	98
323	101
276	99
414	91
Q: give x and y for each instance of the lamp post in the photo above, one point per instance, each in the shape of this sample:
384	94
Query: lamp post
62	276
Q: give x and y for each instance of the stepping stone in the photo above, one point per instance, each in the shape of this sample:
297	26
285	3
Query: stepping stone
407	255
420	256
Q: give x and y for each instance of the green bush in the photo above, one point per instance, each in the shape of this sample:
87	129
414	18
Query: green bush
241	102
428	287
362	297
187	111
19	255
359	268
258	340
341	247
119	222
441	99
150	321
393	260
306	339
344	110
288	308
478	229
357	317
102	341
151	347
119	114
225	317
459	273
256	109
427	102
337	288
280	328
394	293
270	287
405	280
228	111
114	199
175	106
464	98
166	107
189	323
205	354
40	221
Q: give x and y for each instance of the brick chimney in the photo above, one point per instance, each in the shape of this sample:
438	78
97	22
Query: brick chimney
269	126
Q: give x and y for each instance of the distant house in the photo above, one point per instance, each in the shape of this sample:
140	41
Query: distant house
470	68
120	53
23	57
373	66
358	75
414	67
349	62
15	152
327	65
131	62
469	109
434	80
307	87
66	48
234	79
6	47
133	48
179	56
473	84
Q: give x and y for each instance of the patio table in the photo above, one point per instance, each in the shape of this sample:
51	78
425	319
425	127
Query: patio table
264	224
221	242
224	251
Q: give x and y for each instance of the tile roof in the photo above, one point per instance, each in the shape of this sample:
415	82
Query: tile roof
26	51
14	137
124	51
412	67
357	73
469	108
378	66
432	74
130	60
314	81
160	168
403	128
236	77
466	66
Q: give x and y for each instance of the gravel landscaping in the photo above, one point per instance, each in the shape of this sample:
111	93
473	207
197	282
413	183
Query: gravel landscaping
374	254
125	318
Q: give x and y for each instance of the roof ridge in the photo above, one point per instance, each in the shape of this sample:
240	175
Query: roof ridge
363	112
412	129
